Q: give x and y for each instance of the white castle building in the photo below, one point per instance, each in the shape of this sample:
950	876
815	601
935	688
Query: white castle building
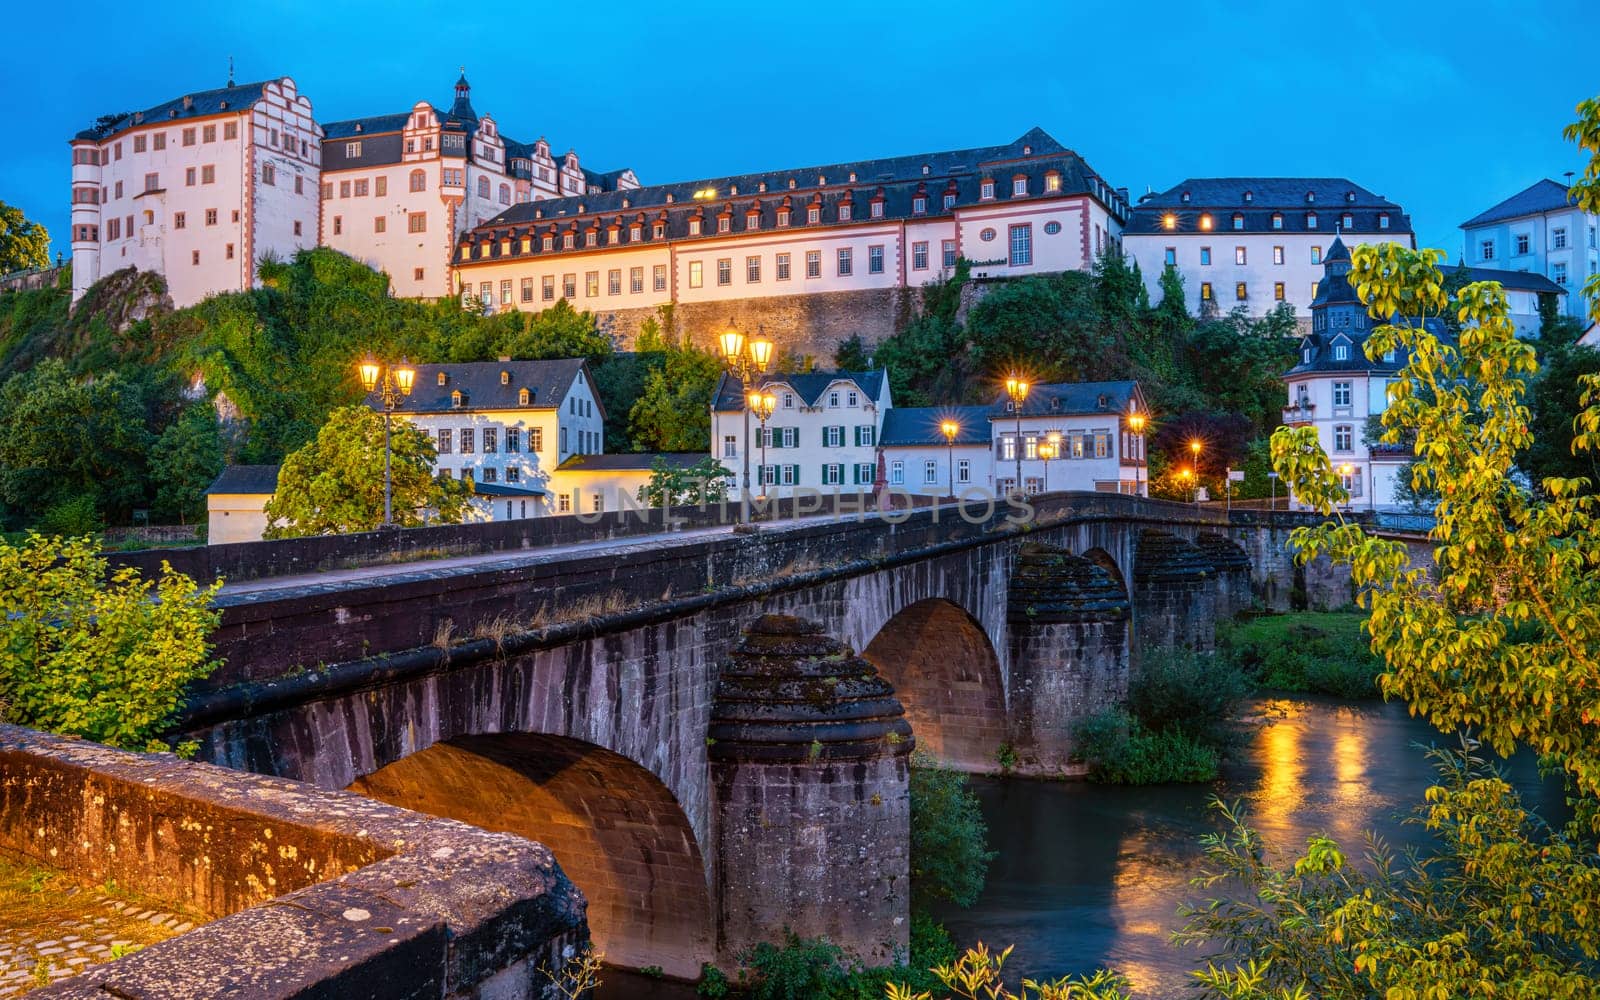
1254	241
198	188
201	187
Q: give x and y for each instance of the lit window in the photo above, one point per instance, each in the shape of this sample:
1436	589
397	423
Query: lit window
1238	255
1052	182
1277	255
1240	291
1169	221
1316	255
1205	291
696	274
1205	222
1277	291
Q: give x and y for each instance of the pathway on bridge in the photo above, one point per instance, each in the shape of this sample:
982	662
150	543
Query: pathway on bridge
514	558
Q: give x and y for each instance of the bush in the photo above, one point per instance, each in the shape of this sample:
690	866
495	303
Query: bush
949	852
1197	695
815	969
77	515
1326	653
1121	751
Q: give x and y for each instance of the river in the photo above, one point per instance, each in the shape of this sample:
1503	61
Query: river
1090	876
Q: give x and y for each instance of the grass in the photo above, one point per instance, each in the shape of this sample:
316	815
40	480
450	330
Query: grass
1320	652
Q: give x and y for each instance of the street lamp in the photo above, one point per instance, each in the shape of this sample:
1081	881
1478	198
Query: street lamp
392	383
1017	390
1136	421
1345	469
1194	494
1194	449
763	403
1051	448
744	361
950	429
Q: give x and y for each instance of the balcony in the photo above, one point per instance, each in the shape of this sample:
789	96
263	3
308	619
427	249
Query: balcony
1299	413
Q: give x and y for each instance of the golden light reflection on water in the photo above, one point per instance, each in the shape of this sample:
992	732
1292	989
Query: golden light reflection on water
1282	766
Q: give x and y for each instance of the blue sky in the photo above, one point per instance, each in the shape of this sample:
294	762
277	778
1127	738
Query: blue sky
1444	108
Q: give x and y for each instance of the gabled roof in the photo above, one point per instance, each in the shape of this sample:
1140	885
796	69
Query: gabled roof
507	490
910	426
200	104
1541	196
1073	399
481	387
1321	346
1518	281
1222	197
355	128
630	461
809	386
254	479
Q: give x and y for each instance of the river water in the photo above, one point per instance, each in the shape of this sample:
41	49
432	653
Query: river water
1090	876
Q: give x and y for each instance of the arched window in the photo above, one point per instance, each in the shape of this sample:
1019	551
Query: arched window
419	180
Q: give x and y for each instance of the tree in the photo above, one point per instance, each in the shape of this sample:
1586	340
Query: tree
23	244
557	332
854	354
674	411
335	483
1554	396
97	655
949	854
185	459
706	481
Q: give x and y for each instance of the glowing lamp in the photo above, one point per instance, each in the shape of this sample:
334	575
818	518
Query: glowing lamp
369	373
404	376
732	342
761	352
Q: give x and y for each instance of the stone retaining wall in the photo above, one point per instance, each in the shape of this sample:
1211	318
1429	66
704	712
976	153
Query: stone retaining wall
314	893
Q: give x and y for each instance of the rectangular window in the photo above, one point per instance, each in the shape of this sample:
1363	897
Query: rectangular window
724	270
1558	272
833	437
491	443
1241	291
227	251
614	281
1522	243
1205	256
963	470
380	186
1486	250
696	274
416	274
730	446
1558	238
844	261
513	440
211	219
536	439
791	435
752	269
547	288
188	137
1102	444
1238	255
781	266
208	174
361	188
1341	394
138	144
864	434
919	256
527	289
178	219
1205	291
446	438
1171	257
813	263
1277	255
1022	245
949	254
188	177
930	471
269	175
636	280
658	277
1316	255
897	473
194	257
1343	438
417	222
569	286
152	182
591	284
833	475
1277	291
230	130
875	260
467	439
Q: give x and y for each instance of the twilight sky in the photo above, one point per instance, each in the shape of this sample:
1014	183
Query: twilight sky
1444	108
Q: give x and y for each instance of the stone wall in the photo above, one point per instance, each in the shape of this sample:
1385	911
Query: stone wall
24	281
314	893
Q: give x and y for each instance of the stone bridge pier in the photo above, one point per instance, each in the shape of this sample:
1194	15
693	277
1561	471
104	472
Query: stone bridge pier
713	735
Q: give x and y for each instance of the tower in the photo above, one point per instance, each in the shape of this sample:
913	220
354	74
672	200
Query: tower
462	108
86	198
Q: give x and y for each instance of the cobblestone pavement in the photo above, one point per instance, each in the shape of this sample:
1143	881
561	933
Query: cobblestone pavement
108	929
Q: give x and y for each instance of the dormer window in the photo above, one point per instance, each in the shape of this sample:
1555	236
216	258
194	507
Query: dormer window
752	220
1249	196
1341	352
919	205
1019	186
1346	220
1277	220
814	214
1311	197
1184	197
1388	356
1305	356
505	377
568	240
1311	220
844	213
986	190
1052	181
783	216
694	227
949	200
442	378
877	209
591	238
635	233
724	224
523	397
1383	220
456	398
1238	220
1205	221
1350	196
924	170
548	243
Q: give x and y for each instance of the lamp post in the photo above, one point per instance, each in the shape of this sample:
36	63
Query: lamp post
763	403
1194	449
743	361
1136	421
1345	469
1188	475
1051	448
392	383
1017	390
950	429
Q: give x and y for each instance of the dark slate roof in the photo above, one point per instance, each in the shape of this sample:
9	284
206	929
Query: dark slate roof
809	386
1322	344
897	180
1542	196
479	382
1073	399
201	104
505	490
245	479
920	425
357	128
631	461
1520	281
1223	197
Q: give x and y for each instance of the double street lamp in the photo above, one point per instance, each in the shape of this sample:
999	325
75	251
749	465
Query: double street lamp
744	360
1051	448
392	383
950	429
1017	389
1136	423
763	403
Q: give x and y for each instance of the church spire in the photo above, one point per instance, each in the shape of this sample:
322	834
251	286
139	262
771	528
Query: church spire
462	109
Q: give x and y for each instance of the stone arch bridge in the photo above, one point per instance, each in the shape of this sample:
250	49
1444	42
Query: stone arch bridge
712	733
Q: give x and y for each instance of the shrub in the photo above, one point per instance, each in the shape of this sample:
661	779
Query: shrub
1198	695
798	969
77	515
1120	750
949	852
1324	653
815	969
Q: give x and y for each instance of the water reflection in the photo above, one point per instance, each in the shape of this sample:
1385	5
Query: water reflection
1091	875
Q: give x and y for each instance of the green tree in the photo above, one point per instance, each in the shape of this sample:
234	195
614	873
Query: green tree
97	654
949	854
854	354
335	483
185	459
707	481
23	244
557	332
1555	394
63	437
674	411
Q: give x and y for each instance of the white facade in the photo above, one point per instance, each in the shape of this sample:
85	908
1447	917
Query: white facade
1540	231
823	433
1338	405
1098	452
198	189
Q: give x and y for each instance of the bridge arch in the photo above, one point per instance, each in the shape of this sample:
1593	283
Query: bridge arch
947	675
614	827
1106	561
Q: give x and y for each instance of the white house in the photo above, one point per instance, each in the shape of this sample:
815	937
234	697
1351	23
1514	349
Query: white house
918	457
1090	423
1541	231
1335	388
1024	207
823	433
197	188
507	426
1523	291
587	484
236	503
1254	241
397	189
